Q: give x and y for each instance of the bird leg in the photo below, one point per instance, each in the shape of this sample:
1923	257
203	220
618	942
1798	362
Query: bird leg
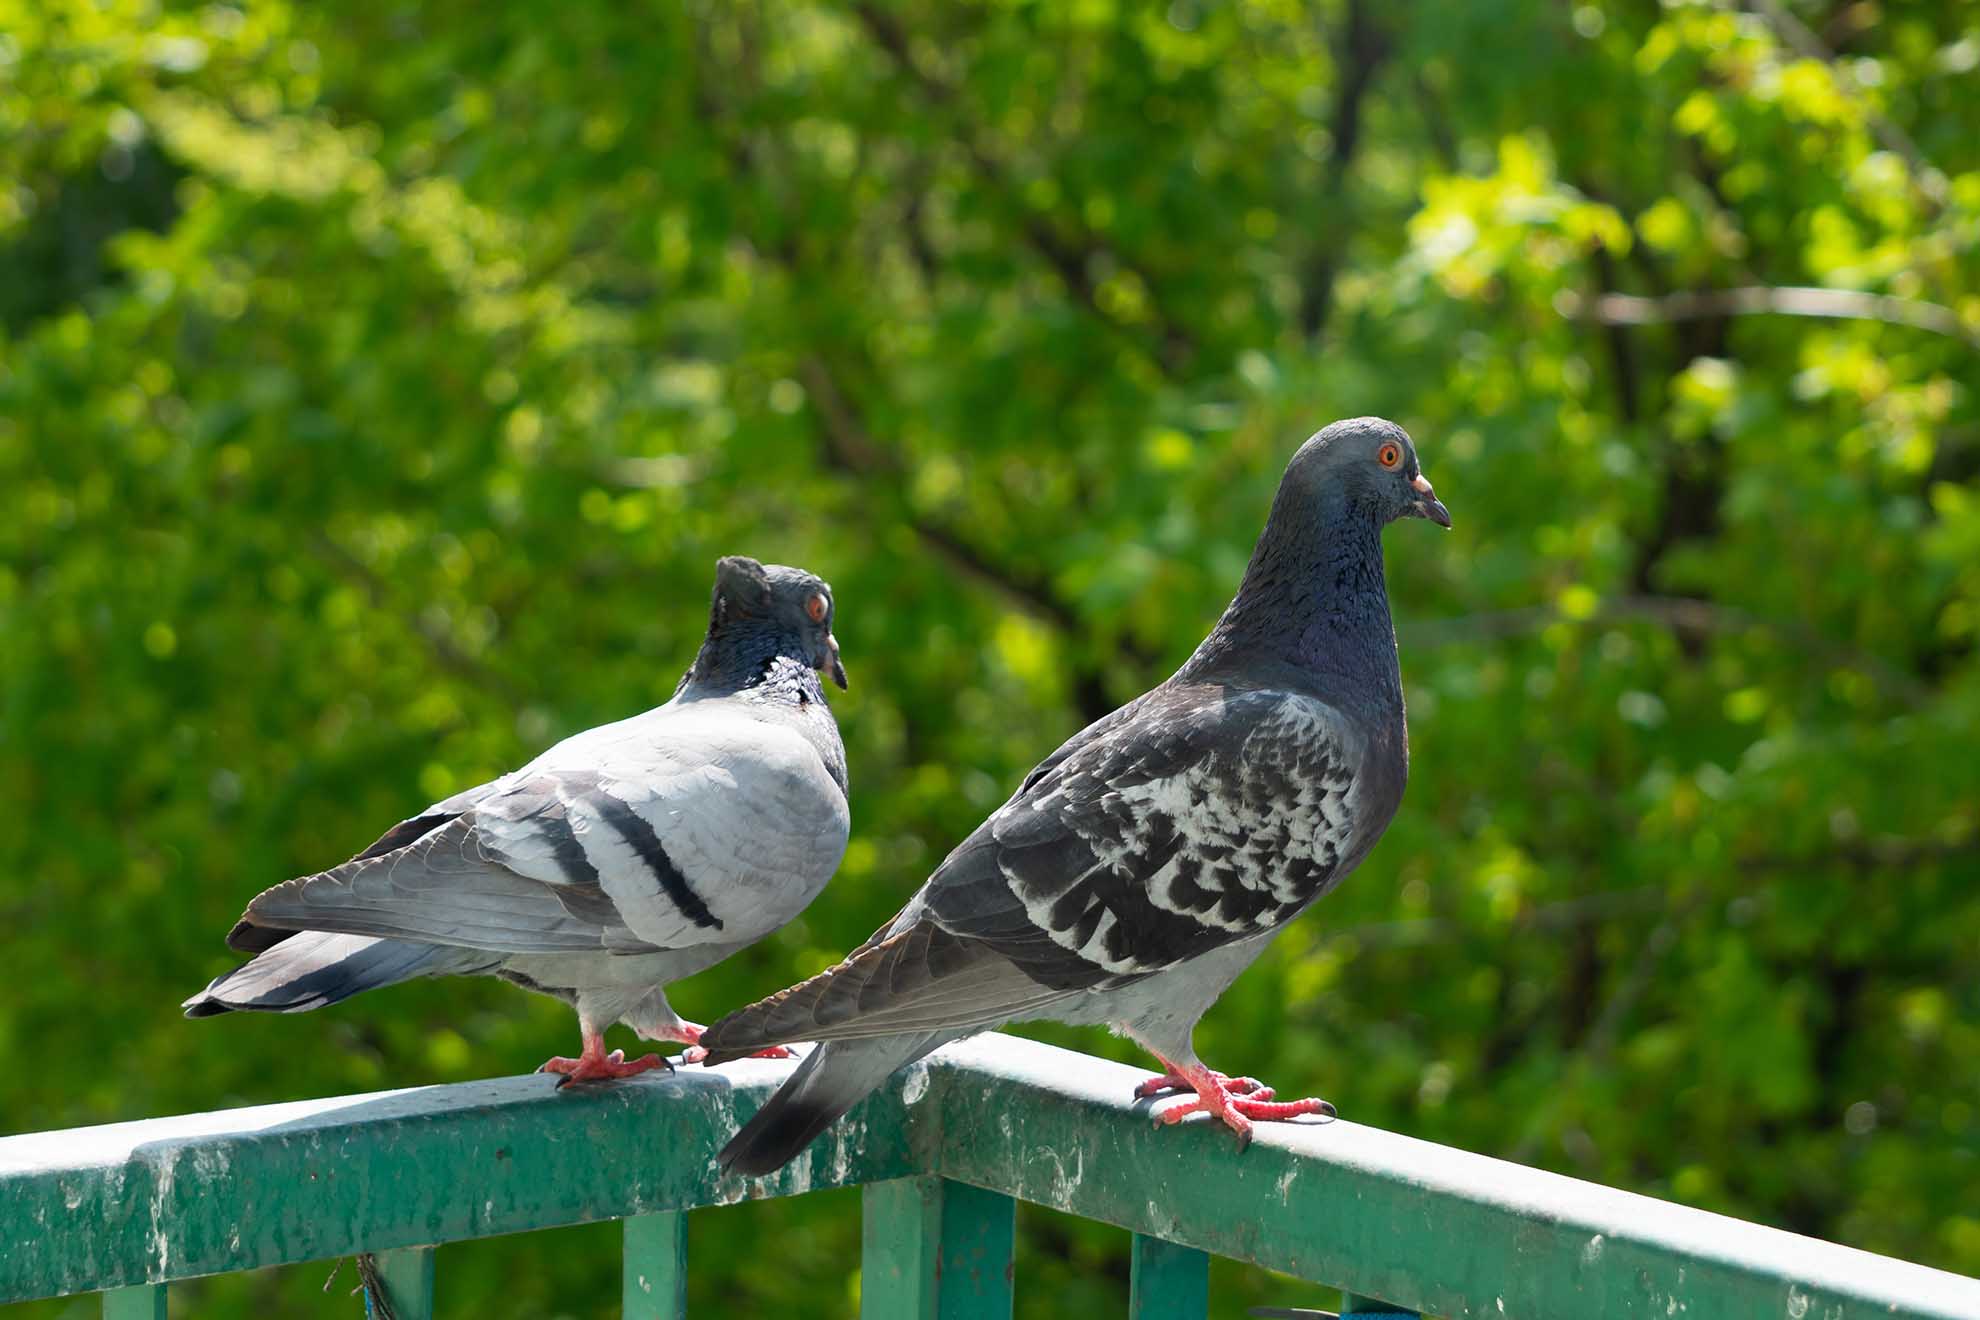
594	1064
694	1053
1175	1081
1236	1101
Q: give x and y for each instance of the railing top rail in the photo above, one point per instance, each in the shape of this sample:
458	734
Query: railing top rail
174	1198
1441	1230
1355	1207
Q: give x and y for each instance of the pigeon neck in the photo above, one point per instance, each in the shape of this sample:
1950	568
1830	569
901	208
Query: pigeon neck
744	654
1313	597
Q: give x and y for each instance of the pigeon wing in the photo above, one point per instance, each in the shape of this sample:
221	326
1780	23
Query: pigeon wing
1200	816
621	844
249	936
460	884
447	809
1213	815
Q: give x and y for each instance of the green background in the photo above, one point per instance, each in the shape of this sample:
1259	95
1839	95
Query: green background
379	383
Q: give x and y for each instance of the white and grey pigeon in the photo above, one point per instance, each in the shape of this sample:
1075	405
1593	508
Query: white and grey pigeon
1143	865
624	858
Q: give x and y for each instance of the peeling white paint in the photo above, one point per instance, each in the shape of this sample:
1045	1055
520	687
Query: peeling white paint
1797	1303
915	1085
1059	1195
1593	1251
1284	1185
161	1195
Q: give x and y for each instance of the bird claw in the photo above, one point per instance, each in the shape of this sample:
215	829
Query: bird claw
1236	1101
697	1053
601	1067
1238	1112
1174	1081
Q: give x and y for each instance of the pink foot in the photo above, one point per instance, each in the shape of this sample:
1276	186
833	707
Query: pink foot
595	1065
1235	1101
695	1054
691	1033
1173	1081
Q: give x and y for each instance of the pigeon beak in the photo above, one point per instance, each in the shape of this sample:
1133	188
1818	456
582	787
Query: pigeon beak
835	666
1427	505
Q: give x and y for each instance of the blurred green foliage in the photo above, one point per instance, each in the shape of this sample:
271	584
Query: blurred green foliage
378	384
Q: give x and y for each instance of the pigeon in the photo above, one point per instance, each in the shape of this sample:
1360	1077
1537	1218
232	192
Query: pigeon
623	858
1144	864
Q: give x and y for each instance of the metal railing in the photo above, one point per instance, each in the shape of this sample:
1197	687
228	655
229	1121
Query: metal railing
944	1151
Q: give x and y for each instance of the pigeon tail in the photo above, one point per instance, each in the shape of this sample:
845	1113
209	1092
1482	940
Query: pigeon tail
315	968
919	979
832	1079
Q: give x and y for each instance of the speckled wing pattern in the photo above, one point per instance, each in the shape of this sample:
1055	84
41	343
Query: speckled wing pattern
1197	816
1200	816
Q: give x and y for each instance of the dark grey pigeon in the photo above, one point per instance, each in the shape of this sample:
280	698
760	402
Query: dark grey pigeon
623	858
1144	864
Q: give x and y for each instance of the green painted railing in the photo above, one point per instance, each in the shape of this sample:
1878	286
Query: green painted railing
944	1153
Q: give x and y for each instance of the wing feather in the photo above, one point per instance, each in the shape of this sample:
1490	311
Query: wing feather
1210	817
646	835
1192	818
445	888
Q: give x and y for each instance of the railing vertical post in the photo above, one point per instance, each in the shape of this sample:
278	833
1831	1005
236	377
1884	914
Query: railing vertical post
1167	1282
655	1267
406	1276
1369	1308
146	1301
936	1250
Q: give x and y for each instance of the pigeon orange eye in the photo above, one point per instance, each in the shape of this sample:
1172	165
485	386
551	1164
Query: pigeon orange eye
815	607
1389	455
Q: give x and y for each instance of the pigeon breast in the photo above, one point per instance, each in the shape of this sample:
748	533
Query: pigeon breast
1231	812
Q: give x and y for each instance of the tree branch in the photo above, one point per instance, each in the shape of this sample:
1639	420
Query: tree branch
1622	353
1358	58
438	641
852	449
1563	915
1677	612
1071	258
1871	855
1640	900
1925	176
1436	123
1620	309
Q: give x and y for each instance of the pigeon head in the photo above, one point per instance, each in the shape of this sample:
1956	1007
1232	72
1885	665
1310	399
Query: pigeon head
775	602
1313	594
1368	464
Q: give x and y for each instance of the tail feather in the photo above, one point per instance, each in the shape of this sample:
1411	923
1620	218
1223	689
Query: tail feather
247	937
314	968
894	999
832	1079
922	979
